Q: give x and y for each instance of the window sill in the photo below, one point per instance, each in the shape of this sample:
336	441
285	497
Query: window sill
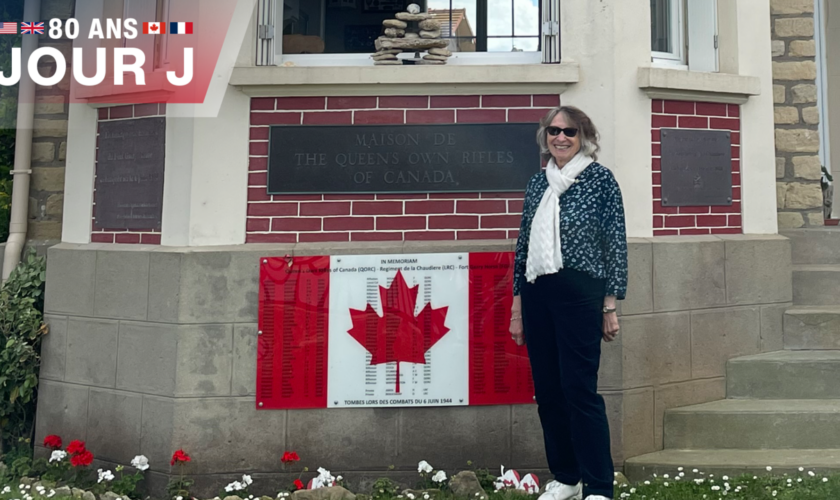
390	80
682	85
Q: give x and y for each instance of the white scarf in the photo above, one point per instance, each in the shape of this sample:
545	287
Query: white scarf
544	253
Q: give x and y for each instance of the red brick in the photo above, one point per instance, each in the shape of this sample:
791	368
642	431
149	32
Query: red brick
276	209
162	108
506	101
121	112
734	220
679	107
513	234
270	238
656	149
501	221
102	238
530	115
455	101
257	164
711	109
319	237
736	179
323	208
295	224
693	231
263	103
655	135
297	197
430	207
832	222
659	209
515	206
657	178
349	197
658	221
379	117
150	238
665	232
348	223
656	164
680	221
734	110
259	133
481	235
148	109
656	106
693	122
481	207
453	222
430	116
127	238
659	121
258	148
550	100
657	192
736	138
351	102
103	113
517	195
735	208
377	236
481	115
301	102
429	235
402	196
725	123
694	210
275	118
258	179
257	224
397	223
736	165
711	220
450	196
726	230
736	193
377	208
404	101
736	151
328	118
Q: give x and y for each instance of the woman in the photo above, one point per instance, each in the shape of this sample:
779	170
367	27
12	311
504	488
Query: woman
571	266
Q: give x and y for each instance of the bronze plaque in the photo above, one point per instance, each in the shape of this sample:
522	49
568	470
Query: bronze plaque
696	167
129	174
402	158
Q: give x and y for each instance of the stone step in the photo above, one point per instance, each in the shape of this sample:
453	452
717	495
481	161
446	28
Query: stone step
748	424
814	246
816	284
812	327
732	462
785	375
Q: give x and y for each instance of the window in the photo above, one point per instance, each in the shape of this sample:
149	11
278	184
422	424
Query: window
666	30
683	33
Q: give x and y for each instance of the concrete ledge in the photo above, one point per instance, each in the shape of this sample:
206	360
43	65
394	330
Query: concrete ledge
405	80
681	85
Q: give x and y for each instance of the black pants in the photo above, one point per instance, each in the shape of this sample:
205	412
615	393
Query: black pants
563	321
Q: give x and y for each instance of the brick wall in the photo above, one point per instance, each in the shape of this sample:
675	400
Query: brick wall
101	234
704	219
369	217
798	192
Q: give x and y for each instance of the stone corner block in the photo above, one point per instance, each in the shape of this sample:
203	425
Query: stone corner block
688	273
758	270
720	334
70	280
62	409
115	418
656	349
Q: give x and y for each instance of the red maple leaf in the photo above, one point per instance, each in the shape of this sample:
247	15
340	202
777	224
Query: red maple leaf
153	27
398	335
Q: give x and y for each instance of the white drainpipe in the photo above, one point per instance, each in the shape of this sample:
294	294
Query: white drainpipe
23	149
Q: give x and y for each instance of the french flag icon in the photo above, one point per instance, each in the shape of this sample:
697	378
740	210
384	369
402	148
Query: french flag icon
181	28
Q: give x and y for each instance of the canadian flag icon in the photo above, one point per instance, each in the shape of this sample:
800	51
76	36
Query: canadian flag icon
154	28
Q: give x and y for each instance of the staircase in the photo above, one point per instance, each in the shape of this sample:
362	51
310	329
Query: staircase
782	408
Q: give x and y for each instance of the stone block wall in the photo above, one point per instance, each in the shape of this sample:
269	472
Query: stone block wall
799	196
154	348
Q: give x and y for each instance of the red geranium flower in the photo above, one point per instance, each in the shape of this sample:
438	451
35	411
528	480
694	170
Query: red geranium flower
52	441
76	447
179	456
83	458
298	484
290	457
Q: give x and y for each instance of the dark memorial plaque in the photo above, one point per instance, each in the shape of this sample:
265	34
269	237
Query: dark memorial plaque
129	174
402	158
696	167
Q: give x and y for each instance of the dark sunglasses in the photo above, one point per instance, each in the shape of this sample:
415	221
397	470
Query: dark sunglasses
569	132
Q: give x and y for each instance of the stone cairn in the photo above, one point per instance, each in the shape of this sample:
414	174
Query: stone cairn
423	35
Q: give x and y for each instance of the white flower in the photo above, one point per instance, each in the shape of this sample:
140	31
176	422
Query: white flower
50	494
695	471
424	467
246	480
57	456
338	478
811	473
769	469
666	484
179	497
679	468
410	496
715	488
632	490
725	478
105	476
325	477
665	476
7	489
425	496
801	469
40	488
774	493
825	479
234	486
799	480
439	477
647	482
140	462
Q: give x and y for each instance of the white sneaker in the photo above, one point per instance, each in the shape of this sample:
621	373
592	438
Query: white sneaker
597	497
555	490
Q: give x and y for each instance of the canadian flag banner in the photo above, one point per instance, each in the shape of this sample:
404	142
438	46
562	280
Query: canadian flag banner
388	330
154	28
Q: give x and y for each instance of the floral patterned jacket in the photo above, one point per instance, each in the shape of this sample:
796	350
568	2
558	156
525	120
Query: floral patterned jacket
592	230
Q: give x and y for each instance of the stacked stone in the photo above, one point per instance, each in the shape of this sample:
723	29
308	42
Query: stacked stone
799	194
399	38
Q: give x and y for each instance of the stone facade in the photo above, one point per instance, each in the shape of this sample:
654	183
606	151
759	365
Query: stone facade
154	348
799	196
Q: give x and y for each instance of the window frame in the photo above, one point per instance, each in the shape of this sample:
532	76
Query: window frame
678	31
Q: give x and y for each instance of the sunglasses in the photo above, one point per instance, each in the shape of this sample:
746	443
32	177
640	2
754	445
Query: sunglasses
569	132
